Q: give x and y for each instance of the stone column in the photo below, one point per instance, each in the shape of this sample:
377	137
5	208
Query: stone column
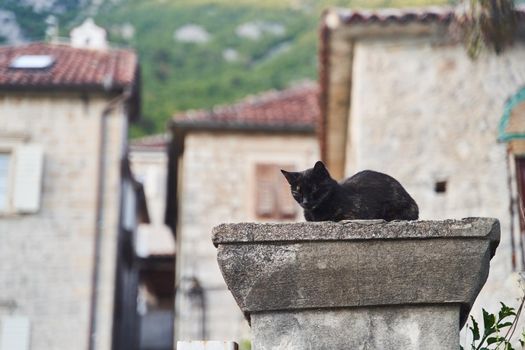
357	284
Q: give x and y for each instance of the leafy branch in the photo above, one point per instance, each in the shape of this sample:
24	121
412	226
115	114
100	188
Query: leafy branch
505	322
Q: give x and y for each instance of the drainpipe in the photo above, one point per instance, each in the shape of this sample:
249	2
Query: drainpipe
99	212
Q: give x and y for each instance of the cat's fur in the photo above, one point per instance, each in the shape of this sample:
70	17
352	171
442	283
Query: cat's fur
366	195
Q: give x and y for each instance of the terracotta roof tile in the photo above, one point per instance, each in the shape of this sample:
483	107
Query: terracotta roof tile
296	107
431	14
434	14
72	68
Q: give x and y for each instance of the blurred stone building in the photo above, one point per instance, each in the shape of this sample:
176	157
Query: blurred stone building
224	167
69	205
400	95
155	245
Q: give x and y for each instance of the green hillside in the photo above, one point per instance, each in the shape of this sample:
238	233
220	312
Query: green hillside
199	53
179	76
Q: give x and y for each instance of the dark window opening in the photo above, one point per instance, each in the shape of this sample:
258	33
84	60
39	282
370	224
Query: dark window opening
440	187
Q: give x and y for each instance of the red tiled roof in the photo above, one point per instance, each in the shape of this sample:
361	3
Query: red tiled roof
294	108
400	15
435	14
73	68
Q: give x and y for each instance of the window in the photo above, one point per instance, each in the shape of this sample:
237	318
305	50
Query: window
273	197
440	187
21	167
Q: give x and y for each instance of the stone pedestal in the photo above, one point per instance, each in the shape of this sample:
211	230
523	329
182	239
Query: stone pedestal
357	284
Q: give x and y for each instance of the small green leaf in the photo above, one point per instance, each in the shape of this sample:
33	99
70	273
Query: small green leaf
503	325
505	311
508	347
493	340
488	322
474	329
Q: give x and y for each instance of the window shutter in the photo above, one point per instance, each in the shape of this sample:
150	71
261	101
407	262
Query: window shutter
287	204
14	334
29	160
273	198
265	197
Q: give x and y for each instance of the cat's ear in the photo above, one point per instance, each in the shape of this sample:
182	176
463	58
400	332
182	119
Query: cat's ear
320	169
290	176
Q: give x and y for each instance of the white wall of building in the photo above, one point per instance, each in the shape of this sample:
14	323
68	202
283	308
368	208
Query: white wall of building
423	112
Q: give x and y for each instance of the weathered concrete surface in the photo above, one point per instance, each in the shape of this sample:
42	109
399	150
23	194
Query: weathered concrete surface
392	328
328	285
352	264
354	230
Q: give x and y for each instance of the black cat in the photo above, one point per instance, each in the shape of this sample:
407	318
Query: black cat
366	195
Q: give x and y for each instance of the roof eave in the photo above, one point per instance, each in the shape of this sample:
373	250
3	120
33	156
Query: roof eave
133	100
340	20
240	127
61	88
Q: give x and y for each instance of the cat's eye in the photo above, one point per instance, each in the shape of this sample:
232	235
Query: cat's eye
295	189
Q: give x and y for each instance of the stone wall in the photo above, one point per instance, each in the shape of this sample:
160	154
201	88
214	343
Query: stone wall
218	186
46	258
150	167
423	112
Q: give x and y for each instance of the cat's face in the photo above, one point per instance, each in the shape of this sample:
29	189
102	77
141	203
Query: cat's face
310	187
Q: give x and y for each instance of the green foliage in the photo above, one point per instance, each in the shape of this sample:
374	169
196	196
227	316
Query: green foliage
497	330
33	22
245	344
179	76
